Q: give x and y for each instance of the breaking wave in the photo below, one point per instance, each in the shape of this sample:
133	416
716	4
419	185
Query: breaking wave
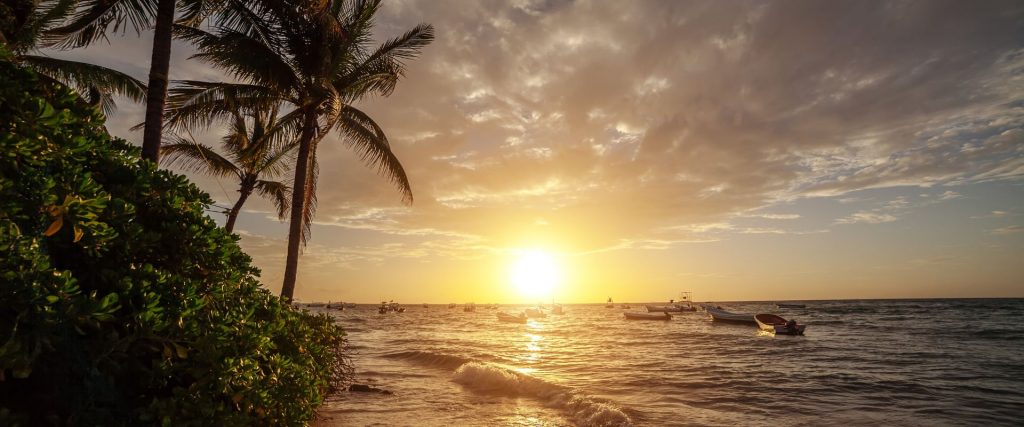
582	409
426	358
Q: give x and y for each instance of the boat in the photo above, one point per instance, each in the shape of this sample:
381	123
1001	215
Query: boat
778	324
720	315
647	316
623	305
452	305
788	305
557	309
668	308
425	305
609	304
535	313
469	307
511	318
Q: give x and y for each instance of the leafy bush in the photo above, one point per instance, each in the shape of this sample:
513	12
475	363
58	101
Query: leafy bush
121	303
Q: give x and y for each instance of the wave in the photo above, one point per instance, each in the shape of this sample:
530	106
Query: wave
427	358
582	409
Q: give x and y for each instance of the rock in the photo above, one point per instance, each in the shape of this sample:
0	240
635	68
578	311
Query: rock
364	388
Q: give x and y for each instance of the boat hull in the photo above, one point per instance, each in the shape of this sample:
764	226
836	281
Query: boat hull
778	325
647	316
511	318
668	309
719	315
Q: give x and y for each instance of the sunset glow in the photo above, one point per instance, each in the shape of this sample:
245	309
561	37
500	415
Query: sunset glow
534	273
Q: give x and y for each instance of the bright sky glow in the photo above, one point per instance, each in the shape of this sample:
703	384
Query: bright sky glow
534	273
738	150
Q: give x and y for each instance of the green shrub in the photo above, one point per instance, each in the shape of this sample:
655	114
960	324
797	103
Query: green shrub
121	302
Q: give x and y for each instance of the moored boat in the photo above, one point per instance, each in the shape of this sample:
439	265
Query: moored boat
609	304
535	313
720	315
557	309
469	307
646	316
668	308
778	324
511	318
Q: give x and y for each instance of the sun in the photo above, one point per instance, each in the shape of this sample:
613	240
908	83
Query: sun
534	273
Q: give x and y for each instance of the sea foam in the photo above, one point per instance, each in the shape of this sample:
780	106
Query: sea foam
582	409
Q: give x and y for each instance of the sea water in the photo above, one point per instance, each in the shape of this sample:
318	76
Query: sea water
863	362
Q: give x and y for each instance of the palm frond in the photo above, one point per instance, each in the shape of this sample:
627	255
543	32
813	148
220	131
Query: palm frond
310	204
242	56
278	193
196	105
368	139
94	18
195	157
87	78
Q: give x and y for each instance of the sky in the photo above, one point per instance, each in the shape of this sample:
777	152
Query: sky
737	150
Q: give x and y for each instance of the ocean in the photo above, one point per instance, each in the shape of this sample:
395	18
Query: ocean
861	362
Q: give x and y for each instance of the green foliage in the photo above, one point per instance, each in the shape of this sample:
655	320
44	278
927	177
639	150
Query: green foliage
121	303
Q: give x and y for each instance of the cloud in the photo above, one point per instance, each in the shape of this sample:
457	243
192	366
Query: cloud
867	218
1013	229
612	122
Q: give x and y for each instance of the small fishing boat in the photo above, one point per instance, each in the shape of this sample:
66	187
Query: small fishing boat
452	305
720	315
787	305
668	308
535	313
511	318
557	309
469	307
609	304
779	325
425	305
647	316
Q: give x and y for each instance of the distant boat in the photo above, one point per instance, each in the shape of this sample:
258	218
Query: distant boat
720	315
647	316
778	324
535	313
623	305
557	309
668	308
425	305
452	305
610	304
469	307
787	305
511	318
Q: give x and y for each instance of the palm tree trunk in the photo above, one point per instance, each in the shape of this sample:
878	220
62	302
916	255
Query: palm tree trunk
233	214
291	268
159	67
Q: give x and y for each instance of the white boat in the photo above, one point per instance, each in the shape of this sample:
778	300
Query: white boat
669	308
720	315
778	325
647	316
511	318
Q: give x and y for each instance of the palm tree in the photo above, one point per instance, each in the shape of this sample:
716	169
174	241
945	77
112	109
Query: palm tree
254	156
95	84
316	58
93	18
